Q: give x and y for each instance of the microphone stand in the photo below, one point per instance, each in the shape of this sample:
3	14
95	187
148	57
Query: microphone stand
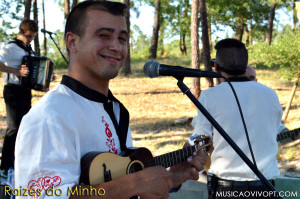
187	91
58	48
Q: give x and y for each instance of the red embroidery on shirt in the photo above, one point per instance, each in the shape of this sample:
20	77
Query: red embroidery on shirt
110	142
107	131
43	183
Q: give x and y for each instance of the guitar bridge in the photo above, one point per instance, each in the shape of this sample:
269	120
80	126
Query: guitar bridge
106	174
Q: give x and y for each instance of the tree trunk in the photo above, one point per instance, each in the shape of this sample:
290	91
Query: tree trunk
36	39
270	24
183	30
250	33
161	41
27	9
239	30
288	106
66	8
156	26
209	34
205	41
295	19
247	36
44	26
195	46
75	2
182	44
201	44
126	68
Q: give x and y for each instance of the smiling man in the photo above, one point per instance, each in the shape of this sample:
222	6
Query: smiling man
81	115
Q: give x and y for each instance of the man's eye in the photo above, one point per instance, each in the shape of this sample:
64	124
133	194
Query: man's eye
104	36
122	39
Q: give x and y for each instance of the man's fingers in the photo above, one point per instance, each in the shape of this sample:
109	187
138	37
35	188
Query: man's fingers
24	70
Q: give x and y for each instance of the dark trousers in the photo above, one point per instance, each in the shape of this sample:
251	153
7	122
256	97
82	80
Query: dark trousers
225	189
18	102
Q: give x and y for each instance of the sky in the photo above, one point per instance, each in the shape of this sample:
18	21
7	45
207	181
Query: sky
145	20
55	19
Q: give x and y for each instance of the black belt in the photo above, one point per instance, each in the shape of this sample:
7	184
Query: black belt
230	183
11	84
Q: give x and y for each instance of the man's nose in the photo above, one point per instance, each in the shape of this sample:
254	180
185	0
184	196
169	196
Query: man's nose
115	44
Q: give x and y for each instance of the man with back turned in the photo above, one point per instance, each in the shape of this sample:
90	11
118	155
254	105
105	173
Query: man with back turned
262	112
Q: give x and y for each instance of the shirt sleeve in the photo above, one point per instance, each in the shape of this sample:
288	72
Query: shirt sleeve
5	54
46	160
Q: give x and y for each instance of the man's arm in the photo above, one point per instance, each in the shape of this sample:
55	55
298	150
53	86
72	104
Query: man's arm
150	183
23	71
189	170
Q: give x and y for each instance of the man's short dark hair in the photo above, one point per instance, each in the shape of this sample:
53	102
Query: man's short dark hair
28	25
76	20
232	56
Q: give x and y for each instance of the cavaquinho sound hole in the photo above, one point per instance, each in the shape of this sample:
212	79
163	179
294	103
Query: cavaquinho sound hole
135	166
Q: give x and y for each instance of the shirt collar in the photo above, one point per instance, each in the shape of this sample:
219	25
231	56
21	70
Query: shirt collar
239	79
85	91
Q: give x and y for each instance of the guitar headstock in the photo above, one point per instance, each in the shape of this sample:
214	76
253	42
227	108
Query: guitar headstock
203	143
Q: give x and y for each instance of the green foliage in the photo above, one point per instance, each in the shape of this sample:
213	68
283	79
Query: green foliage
139	44
177	15
53	52
9	12
60	63
229	12
172	48
282	53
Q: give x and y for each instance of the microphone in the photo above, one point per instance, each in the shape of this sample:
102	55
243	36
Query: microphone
154	69
45	31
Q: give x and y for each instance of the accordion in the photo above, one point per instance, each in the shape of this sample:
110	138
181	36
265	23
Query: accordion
40	72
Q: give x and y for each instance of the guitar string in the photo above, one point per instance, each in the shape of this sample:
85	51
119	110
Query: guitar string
193	148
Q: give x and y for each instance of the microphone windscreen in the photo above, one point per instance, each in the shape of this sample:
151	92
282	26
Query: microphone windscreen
151	69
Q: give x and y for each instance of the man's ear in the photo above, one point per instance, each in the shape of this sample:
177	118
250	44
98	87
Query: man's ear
71	41
216	68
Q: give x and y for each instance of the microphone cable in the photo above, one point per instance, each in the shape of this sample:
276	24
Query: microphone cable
243	120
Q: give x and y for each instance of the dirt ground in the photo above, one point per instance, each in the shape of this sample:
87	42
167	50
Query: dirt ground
155	105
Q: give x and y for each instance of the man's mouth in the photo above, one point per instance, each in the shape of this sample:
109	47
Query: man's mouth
111	59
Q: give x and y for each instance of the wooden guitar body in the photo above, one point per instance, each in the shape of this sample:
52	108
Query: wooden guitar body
97	167
103	167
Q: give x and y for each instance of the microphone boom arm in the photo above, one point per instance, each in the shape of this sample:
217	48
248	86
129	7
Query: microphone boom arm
59	49
187	91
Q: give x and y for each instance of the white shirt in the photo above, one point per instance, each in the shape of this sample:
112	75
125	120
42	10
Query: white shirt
12	56
262	113
60	128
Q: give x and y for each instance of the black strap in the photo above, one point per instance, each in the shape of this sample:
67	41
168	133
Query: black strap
122	127
25	47
110	110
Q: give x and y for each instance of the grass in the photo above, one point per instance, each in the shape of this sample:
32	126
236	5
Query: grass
154	104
